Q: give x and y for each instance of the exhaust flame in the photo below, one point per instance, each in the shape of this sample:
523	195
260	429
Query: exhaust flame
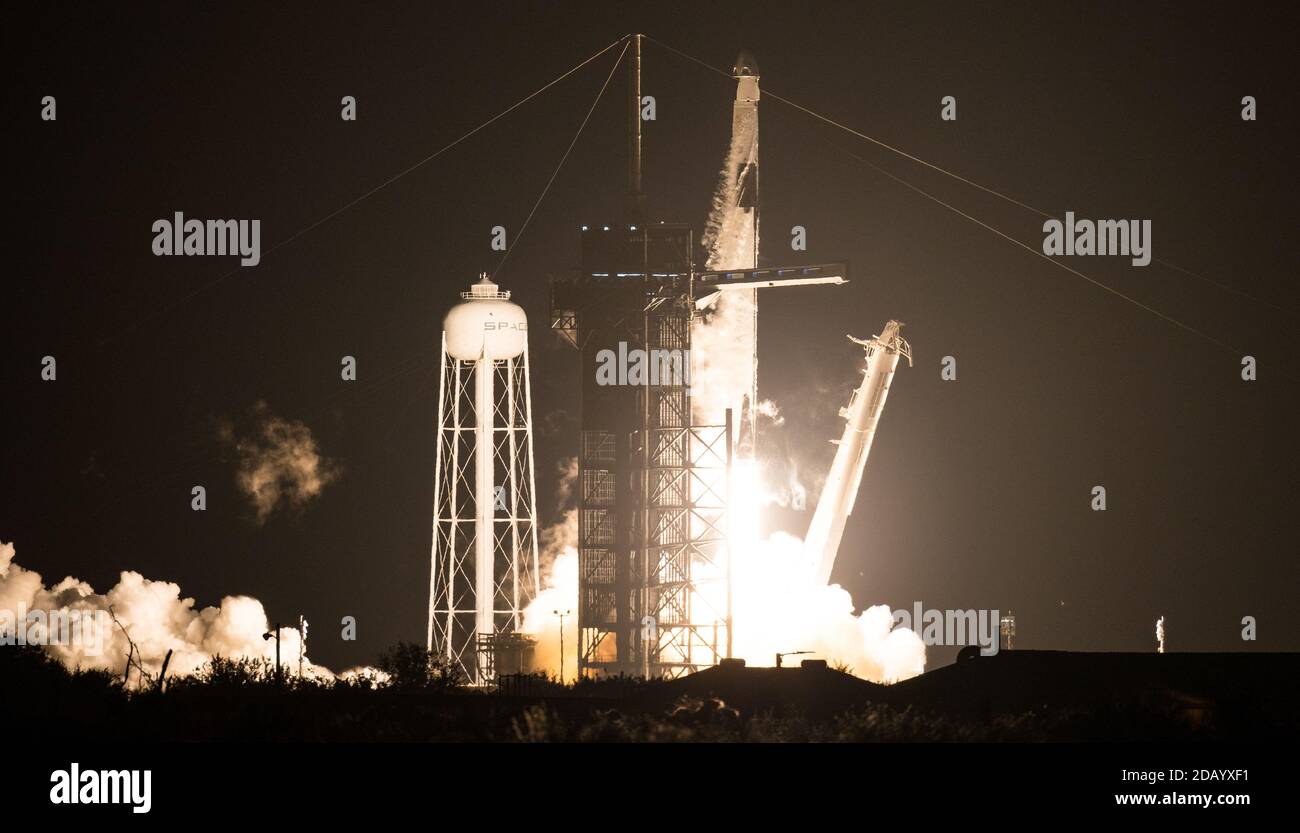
559	564
777	604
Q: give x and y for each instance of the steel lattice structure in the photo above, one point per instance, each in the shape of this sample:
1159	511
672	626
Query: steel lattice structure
652	497
653	572
455	625
681	532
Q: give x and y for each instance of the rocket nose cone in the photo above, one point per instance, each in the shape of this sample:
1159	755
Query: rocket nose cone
746	65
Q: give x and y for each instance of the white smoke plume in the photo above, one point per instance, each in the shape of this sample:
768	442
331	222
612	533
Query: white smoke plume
782	481
559	592
768	410
279	464
778	607
728	233
780	469
722	359
778	604
154	615
561	536
558	555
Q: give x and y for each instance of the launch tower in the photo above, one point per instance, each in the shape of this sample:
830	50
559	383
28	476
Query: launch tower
653	561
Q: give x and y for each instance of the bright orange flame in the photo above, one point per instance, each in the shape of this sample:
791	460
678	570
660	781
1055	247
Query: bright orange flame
777	604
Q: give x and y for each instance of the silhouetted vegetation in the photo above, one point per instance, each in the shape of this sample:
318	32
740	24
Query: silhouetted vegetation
420	698
409	665
230	674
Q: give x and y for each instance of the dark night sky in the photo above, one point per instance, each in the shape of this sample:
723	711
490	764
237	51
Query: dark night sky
977	492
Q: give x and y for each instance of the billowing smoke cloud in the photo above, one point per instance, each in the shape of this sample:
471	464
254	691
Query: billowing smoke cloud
152	613
559	564
781	478
768	410
559	592
722	359
782	484
279	464
561	536
779	606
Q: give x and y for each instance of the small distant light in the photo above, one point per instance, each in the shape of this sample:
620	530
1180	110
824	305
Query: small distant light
606	228
632	227
584	228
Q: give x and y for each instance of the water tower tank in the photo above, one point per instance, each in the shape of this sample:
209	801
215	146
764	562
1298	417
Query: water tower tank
485	321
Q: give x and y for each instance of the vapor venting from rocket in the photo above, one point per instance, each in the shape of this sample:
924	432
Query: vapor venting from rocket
729	236
154	616
731	233
279	463
723	342
722	363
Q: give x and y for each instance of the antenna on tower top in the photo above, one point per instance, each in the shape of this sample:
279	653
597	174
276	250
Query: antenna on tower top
635	198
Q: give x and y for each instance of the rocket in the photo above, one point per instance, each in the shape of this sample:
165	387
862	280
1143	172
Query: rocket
744	124
745	440
744	128
861	417
733	235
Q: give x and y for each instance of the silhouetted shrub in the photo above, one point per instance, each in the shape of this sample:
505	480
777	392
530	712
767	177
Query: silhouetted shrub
409	665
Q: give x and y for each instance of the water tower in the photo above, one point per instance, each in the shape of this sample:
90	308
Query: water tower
484	569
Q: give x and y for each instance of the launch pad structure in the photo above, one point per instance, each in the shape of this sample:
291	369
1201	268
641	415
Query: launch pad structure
653	482
655	467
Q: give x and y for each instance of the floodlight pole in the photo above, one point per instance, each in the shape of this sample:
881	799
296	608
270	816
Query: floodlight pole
561	614
276	635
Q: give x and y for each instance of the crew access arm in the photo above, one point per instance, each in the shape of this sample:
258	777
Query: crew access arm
861	415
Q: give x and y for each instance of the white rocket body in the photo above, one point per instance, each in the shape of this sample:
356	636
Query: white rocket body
732	241
862	415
